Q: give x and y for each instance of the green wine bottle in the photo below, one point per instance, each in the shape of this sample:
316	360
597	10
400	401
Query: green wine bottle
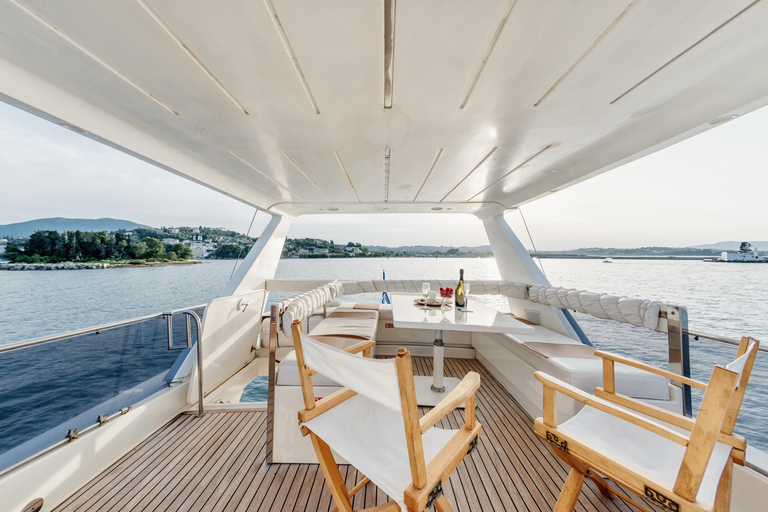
460	299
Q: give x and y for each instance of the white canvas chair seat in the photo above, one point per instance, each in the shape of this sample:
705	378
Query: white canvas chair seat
372	438
646	451
670	460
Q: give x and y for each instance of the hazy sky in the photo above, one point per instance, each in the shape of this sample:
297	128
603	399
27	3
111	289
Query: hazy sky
710	188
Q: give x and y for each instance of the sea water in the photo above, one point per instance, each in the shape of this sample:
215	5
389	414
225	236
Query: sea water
729	300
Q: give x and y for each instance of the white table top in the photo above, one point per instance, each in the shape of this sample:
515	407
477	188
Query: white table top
481	318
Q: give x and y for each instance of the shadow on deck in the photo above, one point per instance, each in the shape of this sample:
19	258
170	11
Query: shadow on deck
217	463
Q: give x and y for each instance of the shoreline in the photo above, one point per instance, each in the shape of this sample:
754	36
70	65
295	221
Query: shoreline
91	266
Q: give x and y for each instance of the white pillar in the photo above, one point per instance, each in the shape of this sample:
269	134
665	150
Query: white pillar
261	261
515	264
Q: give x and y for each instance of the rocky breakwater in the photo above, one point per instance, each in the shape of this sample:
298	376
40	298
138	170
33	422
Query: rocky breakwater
88	266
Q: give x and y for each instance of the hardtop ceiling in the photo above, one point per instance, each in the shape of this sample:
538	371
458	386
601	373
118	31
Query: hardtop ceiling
282	104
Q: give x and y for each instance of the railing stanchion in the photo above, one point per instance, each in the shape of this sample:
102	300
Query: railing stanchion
679	353
169	318
198	324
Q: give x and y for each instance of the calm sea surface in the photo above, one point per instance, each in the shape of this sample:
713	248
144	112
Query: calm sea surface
725	299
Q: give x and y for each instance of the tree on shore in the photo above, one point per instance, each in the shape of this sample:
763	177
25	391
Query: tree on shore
54	247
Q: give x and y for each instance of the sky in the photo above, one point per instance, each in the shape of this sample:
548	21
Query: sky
706	189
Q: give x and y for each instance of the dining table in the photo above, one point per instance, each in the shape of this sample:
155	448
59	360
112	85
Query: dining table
478	317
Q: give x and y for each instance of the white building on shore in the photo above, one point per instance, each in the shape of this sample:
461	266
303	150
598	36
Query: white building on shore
747	253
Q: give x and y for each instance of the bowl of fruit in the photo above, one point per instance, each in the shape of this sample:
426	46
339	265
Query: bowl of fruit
446	293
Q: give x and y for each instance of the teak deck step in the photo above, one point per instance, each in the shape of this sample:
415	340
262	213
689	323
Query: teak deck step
217	463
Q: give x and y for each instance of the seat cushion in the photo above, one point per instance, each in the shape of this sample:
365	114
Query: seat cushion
384	310
362	328
584	371
288	373
370	315
587	374
632	445
372	438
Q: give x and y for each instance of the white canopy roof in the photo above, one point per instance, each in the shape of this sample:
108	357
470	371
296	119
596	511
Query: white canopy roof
281	104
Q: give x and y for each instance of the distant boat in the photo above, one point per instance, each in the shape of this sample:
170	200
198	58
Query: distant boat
608	260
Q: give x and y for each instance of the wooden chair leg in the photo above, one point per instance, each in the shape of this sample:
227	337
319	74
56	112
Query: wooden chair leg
368	352
723	496
570	493
332	475
602	485
441	505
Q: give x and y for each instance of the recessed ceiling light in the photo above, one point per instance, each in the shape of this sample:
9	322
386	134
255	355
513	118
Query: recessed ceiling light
386	175
721	120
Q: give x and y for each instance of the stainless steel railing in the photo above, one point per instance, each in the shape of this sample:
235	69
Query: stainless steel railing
191	315
721	339
71	334
72	434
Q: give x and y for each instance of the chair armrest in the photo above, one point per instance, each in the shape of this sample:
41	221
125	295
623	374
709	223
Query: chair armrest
678	420
325	403
607	407
455	398
650	369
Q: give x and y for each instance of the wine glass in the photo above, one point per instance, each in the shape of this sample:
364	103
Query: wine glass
425	292
466	296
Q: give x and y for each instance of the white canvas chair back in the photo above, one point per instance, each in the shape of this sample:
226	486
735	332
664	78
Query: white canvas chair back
375	379
738	364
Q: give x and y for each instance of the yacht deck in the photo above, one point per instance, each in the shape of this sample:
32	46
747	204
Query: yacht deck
217	463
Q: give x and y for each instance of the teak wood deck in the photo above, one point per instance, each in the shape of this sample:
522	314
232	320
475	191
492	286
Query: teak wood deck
217	463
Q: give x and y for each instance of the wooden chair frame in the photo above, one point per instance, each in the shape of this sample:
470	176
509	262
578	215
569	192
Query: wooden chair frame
426	487
715	422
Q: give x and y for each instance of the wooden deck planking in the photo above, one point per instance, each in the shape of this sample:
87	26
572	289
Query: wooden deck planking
217	463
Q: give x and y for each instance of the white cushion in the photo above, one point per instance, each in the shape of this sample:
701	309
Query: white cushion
371	437
385	310
635	446
288	373
585	374
363	328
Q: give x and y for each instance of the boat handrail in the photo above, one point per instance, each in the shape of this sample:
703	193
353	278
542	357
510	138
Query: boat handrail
199	326
721	339
88	330
72	434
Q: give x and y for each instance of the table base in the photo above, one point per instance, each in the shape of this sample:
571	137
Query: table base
424	394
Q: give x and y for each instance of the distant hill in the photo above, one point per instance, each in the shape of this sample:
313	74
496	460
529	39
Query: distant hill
24	229
480	249
731	246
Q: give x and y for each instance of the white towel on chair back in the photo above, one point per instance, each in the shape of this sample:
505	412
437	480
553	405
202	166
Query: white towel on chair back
373	378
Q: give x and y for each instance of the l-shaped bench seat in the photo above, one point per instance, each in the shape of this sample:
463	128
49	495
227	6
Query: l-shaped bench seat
513	358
